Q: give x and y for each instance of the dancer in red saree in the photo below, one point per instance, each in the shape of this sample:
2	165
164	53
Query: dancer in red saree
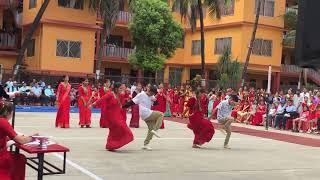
63	97
84	100
134	123
119	133
162	100
202	128
103	118
204	101
12	166
124	96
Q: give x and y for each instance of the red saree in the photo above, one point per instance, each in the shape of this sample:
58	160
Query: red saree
103	118
161	106
63	114
83	102
119	133
134	123
258	117
12	166
202	128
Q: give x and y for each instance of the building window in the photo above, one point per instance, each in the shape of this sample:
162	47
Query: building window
175	76
31	48
70	49
75	4
222	45
267	7
262	47
228	10
196	47
32	4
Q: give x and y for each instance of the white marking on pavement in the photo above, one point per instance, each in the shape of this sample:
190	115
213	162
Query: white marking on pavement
76	166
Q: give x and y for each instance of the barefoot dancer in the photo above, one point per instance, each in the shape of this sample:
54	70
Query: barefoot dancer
119	133
202	128
84	100
63	99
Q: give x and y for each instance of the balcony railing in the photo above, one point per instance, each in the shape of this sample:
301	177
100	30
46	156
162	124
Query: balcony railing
124	17
291	10
7	41
117	52
294	69
291	69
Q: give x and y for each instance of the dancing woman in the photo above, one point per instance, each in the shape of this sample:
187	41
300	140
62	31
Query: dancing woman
84	100
119	133
202	128
134	123
104	90
63	97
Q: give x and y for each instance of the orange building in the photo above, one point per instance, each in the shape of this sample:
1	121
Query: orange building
67	42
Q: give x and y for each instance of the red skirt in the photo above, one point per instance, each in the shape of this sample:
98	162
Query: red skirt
12	166
135	116
202	128
258	118
119	135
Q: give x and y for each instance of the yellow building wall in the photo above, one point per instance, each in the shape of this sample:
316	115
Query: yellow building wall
49	60
8	61
267	34
1	17
55	12
277	20
34	61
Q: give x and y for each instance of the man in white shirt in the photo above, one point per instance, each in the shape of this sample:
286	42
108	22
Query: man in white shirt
304	93
153	118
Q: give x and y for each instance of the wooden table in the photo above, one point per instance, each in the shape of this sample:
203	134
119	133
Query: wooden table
39	163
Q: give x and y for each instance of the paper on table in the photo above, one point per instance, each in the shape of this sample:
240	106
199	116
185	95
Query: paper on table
37	143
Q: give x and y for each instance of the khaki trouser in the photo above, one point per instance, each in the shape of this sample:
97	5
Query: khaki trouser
154	122
226	122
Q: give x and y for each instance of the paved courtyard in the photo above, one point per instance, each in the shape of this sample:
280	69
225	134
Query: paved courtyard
172	158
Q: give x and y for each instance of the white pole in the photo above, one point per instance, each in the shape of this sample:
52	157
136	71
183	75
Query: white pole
269	79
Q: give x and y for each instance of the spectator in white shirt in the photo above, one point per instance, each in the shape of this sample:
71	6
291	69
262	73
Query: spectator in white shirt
9	84
35	94
24	93
48	96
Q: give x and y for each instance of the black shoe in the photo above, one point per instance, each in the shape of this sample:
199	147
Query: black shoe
88	126
82	126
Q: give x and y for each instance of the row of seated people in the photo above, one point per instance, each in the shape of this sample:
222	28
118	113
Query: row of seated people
283	115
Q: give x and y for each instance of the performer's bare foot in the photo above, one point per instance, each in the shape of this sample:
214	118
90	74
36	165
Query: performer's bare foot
223	131
196	146
227	147
155	133
146	147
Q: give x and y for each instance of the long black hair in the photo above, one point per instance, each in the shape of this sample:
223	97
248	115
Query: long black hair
116	86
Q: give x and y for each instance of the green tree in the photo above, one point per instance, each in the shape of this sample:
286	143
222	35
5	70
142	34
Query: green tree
108	11
229	71
191	10
154	32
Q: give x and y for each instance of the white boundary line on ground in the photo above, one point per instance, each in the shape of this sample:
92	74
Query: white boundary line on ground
76	166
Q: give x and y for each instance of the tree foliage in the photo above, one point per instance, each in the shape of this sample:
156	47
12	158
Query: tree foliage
154	32
229	70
